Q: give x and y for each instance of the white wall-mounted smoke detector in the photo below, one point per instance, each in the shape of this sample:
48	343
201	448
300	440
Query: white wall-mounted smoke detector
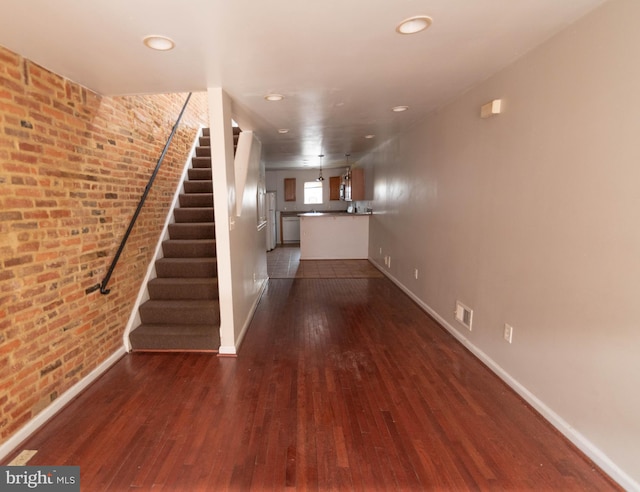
491	108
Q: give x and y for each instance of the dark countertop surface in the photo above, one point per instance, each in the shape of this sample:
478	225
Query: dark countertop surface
329	214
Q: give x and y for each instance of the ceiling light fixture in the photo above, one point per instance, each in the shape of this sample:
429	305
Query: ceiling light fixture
274	97
414	24
320	178
369	136
399	109
283	130
159	43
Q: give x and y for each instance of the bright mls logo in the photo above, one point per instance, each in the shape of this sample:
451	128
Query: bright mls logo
44	478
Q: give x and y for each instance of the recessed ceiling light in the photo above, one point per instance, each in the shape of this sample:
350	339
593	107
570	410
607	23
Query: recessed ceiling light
400	109
274	97
414	24
159	43
369	136
283	130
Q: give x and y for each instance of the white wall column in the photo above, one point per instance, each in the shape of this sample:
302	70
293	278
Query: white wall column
241	246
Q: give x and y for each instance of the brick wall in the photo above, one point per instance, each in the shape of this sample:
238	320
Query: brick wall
73	165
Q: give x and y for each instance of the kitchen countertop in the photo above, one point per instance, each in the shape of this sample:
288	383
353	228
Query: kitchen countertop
330	214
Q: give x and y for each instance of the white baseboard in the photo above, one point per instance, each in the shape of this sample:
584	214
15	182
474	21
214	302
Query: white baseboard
39	420
580	441
230	350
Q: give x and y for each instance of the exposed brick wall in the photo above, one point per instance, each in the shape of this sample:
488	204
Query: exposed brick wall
73	165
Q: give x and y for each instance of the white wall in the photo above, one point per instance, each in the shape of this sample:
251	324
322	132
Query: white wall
241	247
532	218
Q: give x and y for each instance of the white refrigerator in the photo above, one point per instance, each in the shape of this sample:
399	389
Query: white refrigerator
271	220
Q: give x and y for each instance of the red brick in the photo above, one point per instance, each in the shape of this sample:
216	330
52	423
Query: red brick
83	161
9	59
21	260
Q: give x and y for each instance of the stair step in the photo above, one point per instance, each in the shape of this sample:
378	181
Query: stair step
196	174
203	151
201	162
193	214
183	288
198	200
189	248
183	313
186	268
179	312
192	230
201	186
152	337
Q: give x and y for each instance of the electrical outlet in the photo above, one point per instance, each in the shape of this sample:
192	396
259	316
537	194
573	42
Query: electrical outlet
508	333
415	274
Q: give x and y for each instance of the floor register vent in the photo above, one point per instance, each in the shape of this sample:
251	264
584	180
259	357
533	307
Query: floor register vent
464	315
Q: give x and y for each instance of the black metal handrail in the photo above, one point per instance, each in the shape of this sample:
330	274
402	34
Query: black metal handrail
105	281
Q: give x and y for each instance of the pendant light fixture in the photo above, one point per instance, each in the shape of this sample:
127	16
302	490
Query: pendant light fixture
320	178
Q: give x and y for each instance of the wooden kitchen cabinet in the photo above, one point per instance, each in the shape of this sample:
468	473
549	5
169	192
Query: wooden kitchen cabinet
334	187
357	184
289	189
353	182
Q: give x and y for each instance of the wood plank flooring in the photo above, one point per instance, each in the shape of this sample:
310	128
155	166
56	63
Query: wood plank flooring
341	384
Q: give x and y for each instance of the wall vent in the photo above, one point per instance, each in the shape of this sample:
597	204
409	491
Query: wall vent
464	315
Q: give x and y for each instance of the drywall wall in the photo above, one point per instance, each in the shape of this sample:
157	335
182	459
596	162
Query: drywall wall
241	245
531	218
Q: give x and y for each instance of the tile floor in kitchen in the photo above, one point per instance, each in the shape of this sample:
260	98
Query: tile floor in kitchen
284	262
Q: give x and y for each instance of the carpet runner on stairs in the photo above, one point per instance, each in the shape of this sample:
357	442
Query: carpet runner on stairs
183	313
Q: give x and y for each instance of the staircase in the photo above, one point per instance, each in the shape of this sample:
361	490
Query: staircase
182	313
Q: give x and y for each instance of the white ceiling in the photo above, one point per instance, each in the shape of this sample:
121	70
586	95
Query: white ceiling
339	63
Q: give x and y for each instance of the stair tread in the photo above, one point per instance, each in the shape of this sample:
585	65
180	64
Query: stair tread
206	259
191	224
175	288
153	337
180	303
198	194
199	183
196	200
173	328
183	281
190	241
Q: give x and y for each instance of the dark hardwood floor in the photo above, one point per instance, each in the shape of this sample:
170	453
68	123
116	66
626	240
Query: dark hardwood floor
341	384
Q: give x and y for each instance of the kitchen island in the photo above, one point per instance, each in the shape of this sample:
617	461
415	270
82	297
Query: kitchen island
334	236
